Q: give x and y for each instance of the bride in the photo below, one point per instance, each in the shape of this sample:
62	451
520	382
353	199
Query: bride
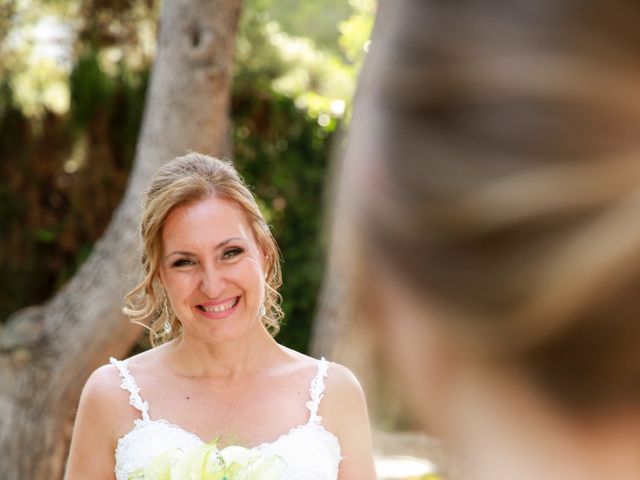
212	271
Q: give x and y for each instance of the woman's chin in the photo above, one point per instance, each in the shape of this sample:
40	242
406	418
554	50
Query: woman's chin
220	330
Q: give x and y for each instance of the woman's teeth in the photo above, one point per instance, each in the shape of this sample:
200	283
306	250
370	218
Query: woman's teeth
221	308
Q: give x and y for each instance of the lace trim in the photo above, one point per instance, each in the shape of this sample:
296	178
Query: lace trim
316	391
129	384
311	452
140	423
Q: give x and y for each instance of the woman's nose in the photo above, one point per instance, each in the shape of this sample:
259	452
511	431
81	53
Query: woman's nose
212	283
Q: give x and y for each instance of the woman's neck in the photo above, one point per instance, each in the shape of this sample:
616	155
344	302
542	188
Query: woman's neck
224	362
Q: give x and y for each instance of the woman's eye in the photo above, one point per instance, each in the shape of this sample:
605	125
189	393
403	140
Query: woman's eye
183	262
231	253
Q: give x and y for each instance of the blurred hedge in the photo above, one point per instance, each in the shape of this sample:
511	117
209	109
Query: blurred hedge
62	177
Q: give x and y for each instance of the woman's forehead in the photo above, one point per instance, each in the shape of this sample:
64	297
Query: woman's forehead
205	222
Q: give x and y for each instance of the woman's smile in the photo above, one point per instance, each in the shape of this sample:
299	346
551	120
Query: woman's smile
220	309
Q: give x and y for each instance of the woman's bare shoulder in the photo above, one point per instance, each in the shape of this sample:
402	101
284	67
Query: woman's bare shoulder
343	398
102	387
342	384
103	399
103	409
344	412
339	381
101	418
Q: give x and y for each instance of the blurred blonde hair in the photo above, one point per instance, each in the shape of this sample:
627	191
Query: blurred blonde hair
502	139
186	179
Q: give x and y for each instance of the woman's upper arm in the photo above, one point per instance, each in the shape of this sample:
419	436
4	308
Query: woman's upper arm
344	412
91	454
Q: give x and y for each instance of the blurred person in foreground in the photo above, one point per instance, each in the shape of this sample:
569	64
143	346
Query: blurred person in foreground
492	180
215	374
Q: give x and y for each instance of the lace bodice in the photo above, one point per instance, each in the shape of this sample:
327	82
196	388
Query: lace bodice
309	450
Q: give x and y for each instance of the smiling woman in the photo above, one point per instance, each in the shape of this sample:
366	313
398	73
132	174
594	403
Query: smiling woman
181	184
211	274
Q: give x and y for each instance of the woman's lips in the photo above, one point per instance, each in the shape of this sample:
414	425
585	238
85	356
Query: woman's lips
219	309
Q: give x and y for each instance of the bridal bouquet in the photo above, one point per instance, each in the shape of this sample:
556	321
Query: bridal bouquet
206	462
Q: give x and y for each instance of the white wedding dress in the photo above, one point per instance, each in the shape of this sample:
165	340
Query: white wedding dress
309	450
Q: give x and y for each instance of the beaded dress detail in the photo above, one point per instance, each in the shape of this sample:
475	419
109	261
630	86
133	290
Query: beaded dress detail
310	451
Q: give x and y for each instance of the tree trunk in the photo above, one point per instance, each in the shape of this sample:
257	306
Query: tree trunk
332	326
47	352
339	331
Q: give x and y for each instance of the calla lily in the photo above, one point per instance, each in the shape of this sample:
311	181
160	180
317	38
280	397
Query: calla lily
234	459
236	454
206	462
263	468
198	464
159	468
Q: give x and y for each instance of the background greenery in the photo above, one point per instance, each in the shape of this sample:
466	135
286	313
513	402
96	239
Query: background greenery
73	76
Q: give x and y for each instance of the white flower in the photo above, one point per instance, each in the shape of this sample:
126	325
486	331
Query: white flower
206	462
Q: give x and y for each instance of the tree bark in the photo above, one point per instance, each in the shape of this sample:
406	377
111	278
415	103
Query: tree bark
340	331
332	326
47	352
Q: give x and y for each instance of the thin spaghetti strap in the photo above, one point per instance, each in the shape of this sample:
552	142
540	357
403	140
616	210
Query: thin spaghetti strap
129	384
316	391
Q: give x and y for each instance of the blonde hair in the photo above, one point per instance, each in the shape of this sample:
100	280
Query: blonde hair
508	163
186	179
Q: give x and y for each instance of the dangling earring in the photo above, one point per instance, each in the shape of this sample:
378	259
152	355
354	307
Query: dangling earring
263	311
167	315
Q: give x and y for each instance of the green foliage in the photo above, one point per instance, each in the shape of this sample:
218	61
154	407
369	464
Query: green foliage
62	177
316	20
320	80
355	32
91	89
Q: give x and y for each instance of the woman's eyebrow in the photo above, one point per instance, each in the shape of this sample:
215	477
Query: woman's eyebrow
227	241
191	254
179	252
